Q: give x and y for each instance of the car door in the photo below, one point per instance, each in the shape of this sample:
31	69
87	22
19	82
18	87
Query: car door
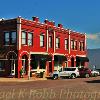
63	73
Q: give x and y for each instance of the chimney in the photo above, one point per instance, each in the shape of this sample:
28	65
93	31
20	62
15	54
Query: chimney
60	25
35	19
46	21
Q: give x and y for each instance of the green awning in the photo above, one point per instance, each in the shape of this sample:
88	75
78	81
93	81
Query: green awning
41	57
59	58
82	59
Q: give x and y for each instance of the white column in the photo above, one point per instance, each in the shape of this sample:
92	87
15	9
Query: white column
29	66
18	33
47	40
54	41
69	41
85	43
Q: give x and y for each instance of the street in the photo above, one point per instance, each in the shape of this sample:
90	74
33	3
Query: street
62	89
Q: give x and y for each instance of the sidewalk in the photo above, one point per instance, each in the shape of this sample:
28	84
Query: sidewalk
20	79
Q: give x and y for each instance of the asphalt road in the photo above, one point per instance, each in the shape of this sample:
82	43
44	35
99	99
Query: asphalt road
63	89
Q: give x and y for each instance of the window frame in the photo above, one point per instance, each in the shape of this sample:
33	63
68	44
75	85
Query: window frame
57	44
75	45
10	42
6	42
25	39
72	44
66	44
30	39
50	41
13	37
42	40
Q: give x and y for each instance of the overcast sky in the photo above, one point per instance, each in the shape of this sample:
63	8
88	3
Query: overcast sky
78	15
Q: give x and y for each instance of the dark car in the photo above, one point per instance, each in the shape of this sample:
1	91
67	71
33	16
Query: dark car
85	72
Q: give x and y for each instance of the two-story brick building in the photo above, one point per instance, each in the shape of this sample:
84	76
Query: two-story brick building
43	46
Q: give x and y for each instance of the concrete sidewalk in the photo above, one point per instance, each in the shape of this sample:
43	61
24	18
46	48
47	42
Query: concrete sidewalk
20	79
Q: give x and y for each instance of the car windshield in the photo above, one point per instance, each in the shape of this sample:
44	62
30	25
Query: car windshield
69	69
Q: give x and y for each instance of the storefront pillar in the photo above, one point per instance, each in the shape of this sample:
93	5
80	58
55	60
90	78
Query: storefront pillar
52	63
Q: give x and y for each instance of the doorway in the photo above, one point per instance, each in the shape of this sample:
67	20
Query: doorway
50	67
25	64
72	62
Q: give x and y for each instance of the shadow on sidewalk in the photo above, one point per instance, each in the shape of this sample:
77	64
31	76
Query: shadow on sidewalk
94	81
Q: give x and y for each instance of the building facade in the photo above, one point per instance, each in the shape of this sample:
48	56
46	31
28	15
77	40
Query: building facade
36	46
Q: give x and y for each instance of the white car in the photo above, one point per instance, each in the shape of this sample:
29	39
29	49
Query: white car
95	73
71	72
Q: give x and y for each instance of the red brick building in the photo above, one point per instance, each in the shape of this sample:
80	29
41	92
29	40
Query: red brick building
43	46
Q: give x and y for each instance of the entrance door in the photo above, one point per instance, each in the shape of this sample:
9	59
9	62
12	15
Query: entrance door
12	64
25	64
50	67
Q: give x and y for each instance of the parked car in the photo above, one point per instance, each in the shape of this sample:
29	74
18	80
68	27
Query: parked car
71	72
85	72
95	73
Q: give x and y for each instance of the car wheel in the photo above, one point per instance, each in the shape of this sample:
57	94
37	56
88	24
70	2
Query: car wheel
55	77
87	76
73	76
95	75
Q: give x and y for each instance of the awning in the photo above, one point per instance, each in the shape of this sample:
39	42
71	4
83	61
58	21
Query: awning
41	57
59	58
82	59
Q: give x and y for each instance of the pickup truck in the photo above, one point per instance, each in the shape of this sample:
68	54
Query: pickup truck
71	72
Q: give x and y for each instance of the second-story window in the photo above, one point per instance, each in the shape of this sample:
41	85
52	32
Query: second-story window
13	37
30	39
7	38
75	45
23	38
10	38
41	40
72	44
82	46
50	41
66	44
57	42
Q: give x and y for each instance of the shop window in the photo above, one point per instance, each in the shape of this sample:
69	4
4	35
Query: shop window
42	64
1	65
34	64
